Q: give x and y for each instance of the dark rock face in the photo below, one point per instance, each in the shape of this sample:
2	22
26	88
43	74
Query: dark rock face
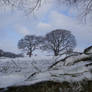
88	50
85	86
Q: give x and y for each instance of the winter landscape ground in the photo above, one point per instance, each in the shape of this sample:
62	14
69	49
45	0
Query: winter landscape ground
31	71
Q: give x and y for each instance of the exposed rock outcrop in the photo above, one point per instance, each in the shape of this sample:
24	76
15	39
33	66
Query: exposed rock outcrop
88	50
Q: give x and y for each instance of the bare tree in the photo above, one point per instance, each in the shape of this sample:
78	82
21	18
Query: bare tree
84	7
29	43
59	41
29	6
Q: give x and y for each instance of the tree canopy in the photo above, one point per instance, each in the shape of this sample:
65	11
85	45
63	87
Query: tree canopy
29	44
59	42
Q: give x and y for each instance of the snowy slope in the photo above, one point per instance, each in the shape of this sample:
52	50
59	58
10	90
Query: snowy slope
27	71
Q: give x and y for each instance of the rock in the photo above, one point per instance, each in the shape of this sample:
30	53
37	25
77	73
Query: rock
88	50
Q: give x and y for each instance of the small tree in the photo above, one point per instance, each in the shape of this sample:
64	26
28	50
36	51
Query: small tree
59	41
29	43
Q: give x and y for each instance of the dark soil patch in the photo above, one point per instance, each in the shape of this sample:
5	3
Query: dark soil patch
51	87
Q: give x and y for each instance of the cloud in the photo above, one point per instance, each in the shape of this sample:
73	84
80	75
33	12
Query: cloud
22	30
57	19
43	25
43	28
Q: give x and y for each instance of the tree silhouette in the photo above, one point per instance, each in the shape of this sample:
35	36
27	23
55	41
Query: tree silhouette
29	44
59	41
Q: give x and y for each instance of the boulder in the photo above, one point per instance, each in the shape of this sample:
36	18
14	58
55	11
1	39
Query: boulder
88	50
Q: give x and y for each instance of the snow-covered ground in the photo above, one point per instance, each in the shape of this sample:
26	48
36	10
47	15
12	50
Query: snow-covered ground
27	71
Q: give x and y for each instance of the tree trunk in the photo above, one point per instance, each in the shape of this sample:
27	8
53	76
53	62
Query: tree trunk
29	54
56	53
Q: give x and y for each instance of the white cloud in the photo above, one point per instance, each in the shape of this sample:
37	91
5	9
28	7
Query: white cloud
22	30
57	19
43	25
42	28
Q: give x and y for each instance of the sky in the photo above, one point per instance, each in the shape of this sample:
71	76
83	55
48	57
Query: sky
14	25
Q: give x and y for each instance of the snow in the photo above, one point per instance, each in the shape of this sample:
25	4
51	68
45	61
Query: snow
10	80
14	72
74	59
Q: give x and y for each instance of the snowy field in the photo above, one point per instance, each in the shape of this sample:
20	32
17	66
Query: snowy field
27	71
